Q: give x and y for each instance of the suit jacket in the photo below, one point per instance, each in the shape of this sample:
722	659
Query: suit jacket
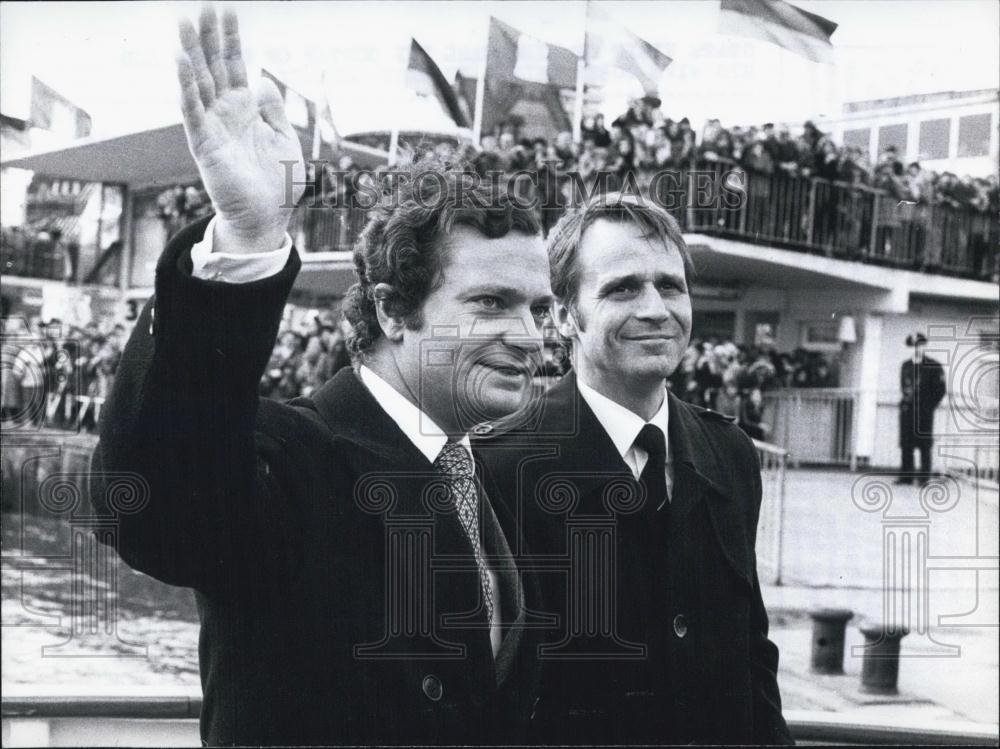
338	593
923	388
661	633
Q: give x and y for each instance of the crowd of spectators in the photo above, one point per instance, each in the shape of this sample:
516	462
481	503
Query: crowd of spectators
58	376
304	357
732	379
643	141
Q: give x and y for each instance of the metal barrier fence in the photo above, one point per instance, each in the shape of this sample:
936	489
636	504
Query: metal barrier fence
770	525
816	425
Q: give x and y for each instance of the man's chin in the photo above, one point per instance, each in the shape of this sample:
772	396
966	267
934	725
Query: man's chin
497	398
654	368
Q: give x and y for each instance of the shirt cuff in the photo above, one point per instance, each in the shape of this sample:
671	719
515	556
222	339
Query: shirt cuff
231	267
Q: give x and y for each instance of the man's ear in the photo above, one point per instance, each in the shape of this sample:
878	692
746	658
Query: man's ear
392	325
565	320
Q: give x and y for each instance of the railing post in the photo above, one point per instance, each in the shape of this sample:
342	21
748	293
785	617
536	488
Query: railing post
874	225
779	552
811	213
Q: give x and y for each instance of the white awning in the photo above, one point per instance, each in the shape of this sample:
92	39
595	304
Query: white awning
150	158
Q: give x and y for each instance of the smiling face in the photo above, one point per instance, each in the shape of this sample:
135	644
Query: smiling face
631	321
474	356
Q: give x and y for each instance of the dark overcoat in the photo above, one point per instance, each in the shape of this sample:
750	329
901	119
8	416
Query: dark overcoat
338	594
661	633
923	388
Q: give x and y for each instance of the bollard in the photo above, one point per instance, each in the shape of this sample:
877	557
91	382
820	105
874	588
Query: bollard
880	667
829	627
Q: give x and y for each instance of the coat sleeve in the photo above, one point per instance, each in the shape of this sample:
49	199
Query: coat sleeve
181	423
769	725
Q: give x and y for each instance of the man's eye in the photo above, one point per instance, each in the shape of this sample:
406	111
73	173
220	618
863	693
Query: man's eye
672	287
540	311
489	302
623	290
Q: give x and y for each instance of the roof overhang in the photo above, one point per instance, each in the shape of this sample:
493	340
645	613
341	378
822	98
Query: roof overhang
733	261
150	158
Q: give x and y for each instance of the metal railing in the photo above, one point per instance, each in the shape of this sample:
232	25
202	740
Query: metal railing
326	229
817	425
771	523
172	721
834	219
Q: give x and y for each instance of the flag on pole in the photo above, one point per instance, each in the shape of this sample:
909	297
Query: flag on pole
306	118
780	23
425	77
609	44
52	111
524	76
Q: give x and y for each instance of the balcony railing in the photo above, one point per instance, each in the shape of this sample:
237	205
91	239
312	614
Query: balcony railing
812	215
836	219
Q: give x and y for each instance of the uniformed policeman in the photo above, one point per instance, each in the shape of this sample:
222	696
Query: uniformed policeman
921	382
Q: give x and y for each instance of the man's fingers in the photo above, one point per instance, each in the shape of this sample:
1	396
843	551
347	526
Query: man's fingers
231	50
210	45
191	105
271	106
191	45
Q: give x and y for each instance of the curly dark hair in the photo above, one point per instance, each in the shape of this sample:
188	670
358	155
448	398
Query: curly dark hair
418	204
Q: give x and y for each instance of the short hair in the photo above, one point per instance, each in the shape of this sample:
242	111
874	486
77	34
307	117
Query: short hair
567	236
418	205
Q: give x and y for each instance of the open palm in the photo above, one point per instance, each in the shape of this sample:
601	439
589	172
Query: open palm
249	157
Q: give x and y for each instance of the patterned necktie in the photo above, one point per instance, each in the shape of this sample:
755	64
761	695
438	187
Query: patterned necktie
455	463
654	473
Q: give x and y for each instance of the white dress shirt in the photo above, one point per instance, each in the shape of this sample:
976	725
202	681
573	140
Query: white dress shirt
623	426
233	267
419	428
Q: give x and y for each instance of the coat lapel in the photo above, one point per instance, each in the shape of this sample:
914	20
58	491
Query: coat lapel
587	456
387	464
700	477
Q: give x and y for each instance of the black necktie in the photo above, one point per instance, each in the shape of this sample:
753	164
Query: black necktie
654	474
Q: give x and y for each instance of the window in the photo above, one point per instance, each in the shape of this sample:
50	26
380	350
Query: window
893	135
820	335
717	324
974	135
934	137
858	139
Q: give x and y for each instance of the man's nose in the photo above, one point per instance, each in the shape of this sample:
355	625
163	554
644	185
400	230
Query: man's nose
651	306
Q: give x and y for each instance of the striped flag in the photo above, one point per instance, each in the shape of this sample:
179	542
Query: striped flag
523	78
425	77
780	23
609	44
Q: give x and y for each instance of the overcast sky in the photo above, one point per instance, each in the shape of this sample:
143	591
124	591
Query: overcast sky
116	59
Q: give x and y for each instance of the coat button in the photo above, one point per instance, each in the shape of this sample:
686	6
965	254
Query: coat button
482	429
432	687
680	625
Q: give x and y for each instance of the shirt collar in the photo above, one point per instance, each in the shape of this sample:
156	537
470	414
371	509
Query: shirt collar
621	424
418	427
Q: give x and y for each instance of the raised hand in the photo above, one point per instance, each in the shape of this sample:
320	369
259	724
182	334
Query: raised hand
239	139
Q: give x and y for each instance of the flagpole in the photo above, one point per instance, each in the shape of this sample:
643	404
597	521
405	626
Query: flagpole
477	118
316	115
581	73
